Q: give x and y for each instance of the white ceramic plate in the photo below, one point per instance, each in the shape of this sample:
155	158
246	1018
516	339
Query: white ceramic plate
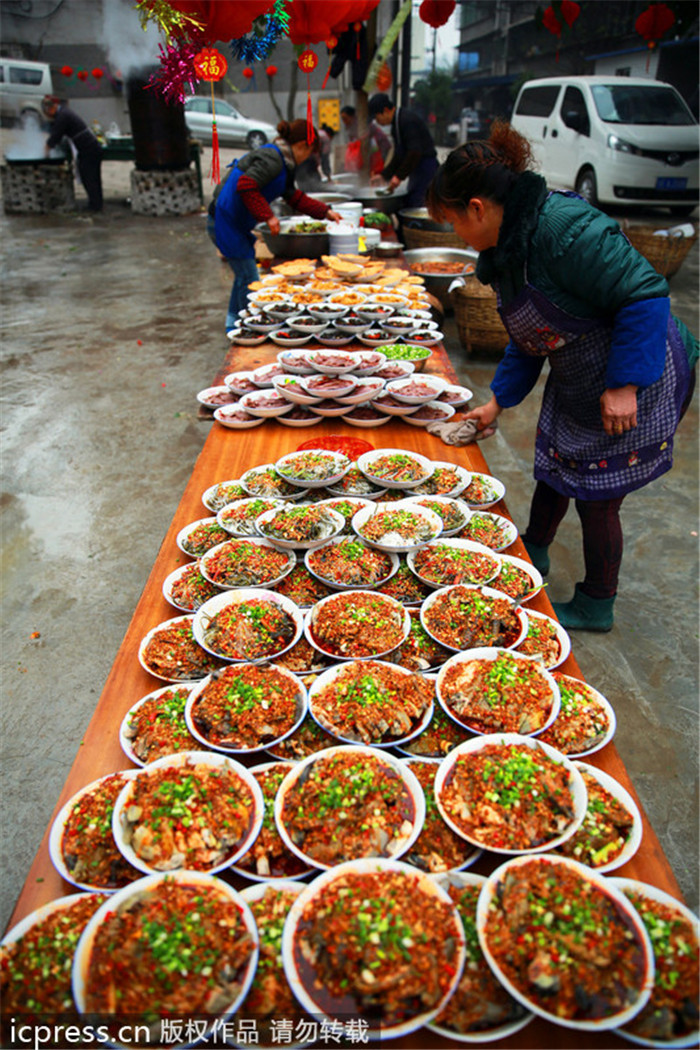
232	544
400	612
396	544
432	412
250	507
294	362
243	337
211	496
458	505
624	798
461	547
292	390
290	338
471	747
335	584
401	389
187	530
337	467
210	396
299	417
496	489
173	578
367	460
428	488
597	702
278	489
229	599
126	737
176	620
562	638
325	362
487	592
510	534
236	418
359	417
265	519
524	566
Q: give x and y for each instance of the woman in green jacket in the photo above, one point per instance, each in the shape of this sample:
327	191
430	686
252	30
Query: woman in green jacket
573	291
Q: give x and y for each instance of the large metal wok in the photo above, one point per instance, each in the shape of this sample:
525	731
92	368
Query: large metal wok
34	162
419	219
379	198
294	245
438	284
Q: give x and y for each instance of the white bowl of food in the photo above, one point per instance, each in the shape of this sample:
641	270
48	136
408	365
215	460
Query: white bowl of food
313	468
444	562
455	395
155	725
493	530
357	625
186	588
394	369
395	468
294	362
198	536
365	416
289	387
264	481
307	325
545	638
368	362
347	563
268	861
216	397
431	412
171	652
328	311
300	416
366	389
446	479
518	578
586	720
464	617
300	527
265	404
330	363
222	492
472	797
483	491
332	337
246	561
245	336
611	832
236	417
329	386
239	518
290	337
397	527
454	512
416	390
384	402
240	383
247	625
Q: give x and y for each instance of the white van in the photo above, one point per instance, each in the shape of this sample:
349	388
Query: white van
615	140
22	87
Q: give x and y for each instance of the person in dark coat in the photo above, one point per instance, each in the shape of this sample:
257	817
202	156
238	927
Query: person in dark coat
414	156
67	124
572	291
243	199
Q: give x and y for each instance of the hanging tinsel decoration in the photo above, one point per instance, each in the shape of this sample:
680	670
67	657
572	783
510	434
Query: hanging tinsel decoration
210	65
307	61
176	77
265	34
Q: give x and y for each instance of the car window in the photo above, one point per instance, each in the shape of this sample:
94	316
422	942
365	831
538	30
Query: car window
227	109
637	104
25	75
537	101
199	105
575	104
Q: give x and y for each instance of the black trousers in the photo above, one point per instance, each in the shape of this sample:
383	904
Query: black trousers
90	172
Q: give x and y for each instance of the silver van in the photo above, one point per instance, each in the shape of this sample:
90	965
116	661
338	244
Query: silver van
22	87
615	140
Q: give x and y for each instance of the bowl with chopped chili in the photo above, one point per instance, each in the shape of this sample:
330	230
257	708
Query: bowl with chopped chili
495	690
394	468
586	721
565	942
611	832
239	518
196	810
518	578
481	1010
493	530
356	484
155	726
348	506
187	589
439	737
307	740
450	561
399	528
348	802
347	563
447	479
483	491
313	468
268	858
670	1018
302	587
170	651
545	637
454	512
132	952
510	793
466	616
245	708
36	961
247	624
222	493
357	625
374	939
195	539
264	481
81	844
405	587
371	702
246	561
437	849
301	527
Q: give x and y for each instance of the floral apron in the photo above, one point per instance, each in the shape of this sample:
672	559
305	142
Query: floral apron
573	454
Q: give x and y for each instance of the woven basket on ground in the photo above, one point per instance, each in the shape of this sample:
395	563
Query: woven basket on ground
415	238
666	254
478	322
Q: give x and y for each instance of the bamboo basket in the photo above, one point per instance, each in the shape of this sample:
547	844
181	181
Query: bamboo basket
666	254
416	238
479	324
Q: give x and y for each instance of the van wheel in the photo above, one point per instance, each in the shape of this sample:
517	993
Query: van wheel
586	185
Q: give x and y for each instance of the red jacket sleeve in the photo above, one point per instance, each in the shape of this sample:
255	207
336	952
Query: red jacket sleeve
253	198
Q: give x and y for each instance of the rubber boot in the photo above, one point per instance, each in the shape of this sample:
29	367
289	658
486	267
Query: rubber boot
584	613
539	557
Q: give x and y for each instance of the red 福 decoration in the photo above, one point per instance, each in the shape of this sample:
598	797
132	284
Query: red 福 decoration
67	71
210	65
653	23
436	13
307	61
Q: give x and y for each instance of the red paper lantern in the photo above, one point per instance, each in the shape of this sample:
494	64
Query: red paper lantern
308	60
271	71
570	11
210	64
97	74
436	13
332	42
654	22
67	71
224	19
82	74
312	22
551	22
248	73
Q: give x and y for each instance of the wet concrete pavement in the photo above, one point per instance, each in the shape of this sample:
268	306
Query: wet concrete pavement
110	325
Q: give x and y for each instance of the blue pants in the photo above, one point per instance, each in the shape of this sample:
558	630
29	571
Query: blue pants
244	271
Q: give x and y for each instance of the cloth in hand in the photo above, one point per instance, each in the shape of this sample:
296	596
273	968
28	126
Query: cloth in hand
462	432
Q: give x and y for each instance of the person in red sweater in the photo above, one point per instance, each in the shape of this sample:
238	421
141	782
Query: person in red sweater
243	199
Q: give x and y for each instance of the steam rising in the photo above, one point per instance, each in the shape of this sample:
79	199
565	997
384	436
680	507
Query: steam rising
129	48
28	142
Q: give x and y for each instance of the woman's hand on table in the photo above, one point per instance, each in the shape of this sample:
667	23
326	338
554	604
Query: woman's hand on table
618	409
274	225
484	415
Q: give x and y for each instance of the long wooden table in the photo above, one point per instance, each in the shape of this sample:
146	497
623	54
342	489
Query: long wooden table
226	455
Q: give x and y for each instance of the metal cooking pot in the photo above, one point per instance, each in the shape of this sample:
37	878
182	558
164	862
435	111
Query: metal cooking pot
294	245
331	198
35	162
381	199
419	219
438	284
